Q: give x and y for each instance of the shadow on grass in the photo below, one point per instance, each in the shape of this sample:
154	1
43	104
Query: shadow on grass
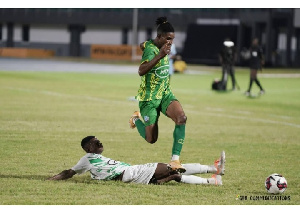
253	96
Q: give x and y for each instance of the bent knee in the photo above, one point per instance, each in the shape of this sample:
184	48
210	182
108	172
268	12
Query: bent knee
151	140
181	119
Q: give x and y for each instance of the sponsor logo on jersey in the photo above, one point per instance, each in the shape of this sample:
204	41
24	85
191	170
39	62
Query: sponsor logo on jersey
162	71
146	118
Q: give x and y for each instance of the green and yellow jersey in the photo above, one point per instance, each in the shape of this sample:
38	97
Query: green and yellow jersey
156	83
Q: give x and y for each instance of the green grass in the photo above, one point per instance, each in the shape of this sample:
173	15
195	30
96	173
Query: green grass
44	116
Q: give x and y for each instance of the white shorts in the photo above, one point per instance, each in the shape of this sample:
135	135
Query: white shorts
139	173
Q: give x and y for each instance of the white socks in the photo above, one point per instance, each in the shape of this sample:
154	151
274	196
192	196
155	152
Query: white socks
192	179
197	168
134	119
175	157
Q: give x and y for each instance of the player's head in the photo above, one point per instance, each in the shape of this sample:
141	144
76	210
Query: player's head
164	26
91	144
165	31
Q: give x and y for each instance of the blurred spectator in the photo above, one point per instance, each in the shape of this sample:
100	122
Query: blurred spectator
172	56
227	58
179	64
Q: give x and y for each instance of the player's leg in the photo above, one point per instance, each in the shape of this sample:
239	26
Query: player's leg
252	77
176	113
258	83
223	75
231	72
149	128
152	133
196	168
163	175
191	179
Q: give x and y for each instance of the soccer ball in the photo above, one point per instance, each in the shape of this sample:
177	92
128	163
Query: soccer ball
275	184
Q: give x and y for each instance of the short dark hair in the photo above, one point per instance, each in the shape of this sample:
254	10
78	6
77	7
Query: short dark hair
163	26
86	140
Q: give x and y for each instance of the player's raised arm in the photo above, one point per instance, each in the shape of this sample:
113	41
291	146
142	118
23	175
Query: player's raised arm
147	66
66	174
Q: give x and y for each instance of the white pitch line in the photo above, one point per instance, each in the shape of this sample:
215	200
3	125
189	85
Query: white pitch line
131	103
246	118
280	75
50	93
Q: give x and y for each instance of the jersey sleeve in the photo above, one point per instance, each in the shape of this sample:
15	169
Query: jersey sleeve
148	53
82	166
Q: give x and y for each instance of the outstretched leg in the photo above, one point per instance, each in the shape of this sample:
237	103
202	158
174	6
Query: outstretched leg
163	175
191	179
196	168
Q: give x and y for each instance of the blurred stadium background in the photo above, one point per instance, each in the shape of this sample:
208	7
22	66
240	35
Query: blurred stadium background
112	33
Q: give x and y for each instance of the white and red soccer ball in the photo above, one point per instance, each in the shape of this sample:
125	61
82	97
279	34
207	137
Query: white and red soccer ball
275	184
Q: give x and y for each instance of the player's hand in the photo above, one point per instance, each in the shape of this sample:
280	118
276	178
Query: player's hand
165	50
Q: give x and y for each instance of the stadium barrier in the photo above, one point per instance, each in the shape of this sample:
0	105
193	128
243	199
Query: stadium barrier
118	52
26	53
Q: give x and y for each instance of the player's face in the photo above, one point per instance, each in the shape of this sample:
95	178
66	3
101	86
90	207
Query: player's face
166	38
95	146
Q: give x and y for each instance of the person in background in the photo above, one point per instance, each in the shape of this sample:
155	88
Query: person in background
172	56
179	65
227	58
256	62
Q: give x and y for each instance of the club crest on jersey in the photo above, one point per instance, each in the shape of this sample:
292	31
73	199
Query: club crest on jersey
146	118
162	71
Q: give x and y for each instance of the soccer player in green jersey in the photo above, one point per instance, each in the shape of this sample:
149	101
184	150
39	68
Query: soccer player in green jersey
155	95
106	169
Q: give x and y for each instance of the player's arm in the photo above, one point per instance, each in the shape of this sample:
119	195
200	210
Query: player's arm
148	65
66	174
142	45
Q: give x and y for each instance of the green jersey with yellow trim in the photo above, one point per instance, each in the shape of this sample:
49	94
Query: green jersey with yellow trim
154	85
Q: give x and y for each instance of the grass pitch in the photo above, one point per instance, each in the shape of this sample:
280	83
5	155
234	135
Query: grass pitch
45	115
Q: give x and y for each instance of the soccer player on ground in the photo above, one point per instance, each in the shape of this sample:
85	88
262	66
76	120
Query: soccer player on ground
103	168
256	62
155	95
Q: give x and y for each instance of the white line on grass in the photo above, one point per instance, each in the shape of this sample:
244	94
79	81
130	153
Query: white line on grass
245	118
45	92
280	75
50	93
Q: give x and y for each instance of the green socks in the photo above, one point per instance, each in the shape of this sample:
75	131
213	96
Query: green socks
141	128
178	135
